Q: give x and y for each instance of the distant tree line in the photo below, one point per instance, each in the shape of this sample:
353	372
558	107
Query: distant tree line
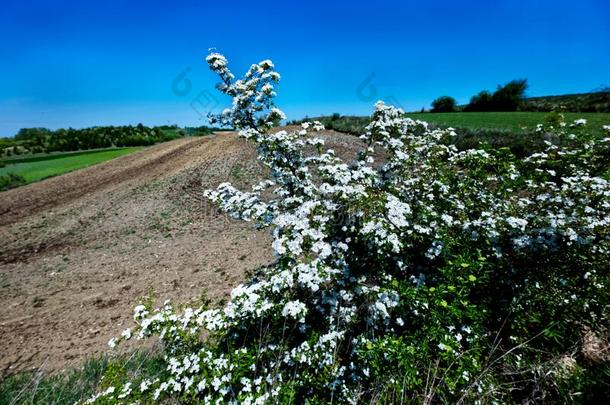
509	97
43	140
597	101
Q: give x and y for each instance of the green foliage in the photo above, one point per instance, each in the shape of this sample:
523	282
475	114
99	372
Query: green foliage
444	104
506	98
11	180
554	119
201	131
510	96
598	101
76	385
521	144
480	102
42	140
347	124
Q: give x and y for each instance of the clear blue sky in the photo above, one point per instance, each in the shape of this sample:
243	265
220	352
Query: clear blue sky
84	63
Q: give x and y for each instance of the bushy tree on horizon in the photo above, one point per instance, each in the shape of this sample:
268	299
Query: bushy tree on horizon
510	96
480	102
506	98
444	104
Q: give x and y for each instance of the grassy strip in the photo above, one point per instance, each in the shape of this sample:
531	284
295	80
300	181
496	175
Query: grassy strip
512	121
37	157
507	122
78	384
38	168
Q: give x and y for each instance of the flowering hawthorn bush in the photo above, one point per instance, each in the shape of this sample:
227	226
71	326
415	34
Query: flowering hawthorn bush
416	272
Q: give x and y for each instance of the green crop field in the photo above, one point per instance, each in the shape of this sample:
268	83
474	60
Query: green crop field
40	167
511	121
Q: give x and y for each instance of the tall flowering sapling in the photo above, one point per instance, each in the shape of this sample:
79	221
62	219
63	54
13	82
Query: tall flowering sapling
406	257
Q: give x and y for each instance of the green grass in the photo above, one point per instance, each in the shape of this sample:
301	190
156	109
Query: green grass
511	121
76	385
36	168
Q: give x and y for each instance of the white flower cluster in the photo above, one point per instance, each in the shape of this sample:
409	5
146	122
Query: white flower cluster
342	231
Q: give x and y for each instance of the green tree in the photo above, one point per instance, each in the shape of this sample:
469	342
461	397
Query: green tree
480	102
510	96
444	104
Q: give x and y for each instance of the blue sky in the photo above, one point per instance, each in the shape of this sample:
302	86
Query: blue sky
85	63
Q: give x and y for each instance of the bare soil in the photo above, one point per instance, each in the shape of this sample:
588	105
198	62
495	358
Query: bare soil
78	251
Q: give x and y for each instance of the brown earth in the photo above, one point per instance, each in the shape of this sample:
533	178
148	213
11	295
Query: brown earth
78	251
